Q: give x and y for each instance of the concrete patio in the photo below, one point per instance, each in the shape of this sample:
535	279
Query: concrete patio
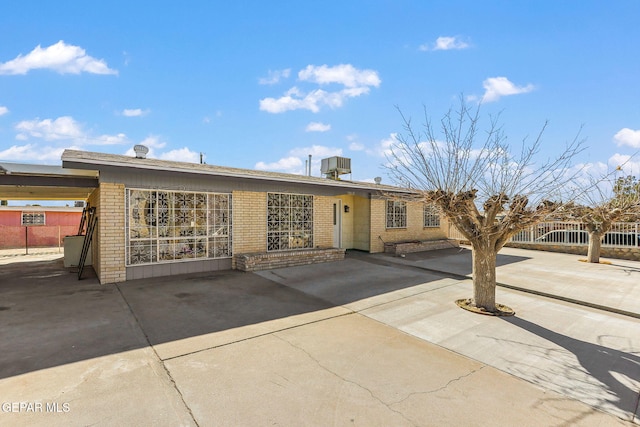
372	340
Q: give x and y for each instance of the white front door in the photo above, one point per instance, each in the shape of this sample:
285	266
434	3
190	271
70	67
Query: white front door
337	223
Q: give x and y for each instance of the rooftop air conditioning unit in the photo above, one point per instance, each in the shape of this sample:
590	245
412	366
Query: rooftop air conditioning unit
335	166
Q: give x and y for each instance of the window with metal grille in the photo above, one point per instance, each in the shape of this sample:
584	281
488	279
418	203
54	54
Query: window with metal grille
396	214
169	226
289	221
431	216
33	218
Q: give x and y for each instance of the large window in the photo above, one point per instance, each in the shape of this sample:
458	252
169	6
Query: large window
289	221
431	216
167	226
396	214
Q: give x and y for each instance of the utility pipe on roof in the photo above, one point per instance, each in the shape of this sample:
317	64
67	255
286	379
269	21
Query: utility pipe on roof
309	164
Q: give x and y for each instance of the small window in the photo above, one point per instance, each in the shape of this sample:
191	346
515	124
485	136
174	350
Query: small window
33	218
396	214
431	216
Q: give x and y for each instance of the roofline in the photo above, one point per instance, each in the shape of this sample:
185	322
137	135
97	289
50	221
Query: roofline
9	168
75	158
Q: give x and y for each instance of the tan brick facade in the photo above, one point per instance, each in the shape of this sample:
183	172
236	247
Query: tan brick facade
323	221
367	221
415	229
111	234
249	222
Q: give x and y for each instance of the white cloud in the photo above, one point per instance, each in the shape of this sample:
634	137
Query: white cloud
445	43
497	87
384	147
275	76
3	110
628	137
356	146
344	74
61	128
312	101
628	165
289	164
33	153
295	161
317	127
316	151
59	57
356	82
181	155
153	141
134	112
154	144
64	128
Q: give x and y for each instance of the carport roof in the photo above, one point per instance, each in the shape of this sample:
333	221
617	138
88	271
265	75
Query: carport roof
91	160
19	181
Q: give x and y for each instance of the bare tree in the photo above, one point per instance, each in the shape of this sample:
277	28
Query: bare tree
485	190
605	204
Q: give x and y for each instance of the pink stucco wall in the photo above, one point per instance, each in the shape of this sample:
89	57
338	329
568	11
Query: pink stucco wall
59	223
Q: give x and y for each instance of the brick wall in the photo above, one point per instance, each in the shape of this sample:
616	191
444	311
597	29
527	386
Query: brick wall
94	200
111	233
420	246
414	230
323	221
249	212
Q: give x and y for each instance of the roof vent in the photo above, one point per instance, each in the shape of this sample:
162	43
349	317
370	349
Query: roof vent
377	180
141	151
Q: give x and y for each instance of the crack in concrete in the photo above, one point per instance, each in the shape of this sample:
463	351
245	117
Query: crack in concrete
444	387
160	361
346	380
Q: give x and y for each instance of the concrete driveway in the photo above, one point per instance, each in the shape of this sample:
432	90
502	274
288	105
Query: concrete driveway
365	341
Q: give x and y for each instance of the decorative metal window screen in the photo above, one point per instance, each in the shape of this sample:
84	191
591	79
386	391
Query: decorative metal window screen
167	226
33	218
431	216
396	214
289	221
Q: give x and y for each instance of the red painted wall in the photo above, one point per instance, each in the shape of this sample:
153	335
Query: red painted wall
57	225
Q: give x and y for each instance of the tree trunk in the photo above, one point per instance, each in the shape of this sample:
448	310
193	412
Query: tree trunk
593	254
484	276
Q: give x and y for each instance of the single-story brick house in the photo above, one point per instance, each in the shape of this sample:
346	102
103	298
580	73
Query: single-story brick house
159	217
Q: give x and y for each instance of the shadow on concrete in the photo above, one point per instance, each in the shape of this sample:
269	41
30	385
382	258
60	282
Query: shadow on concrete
178	307
616	371
455	260
50	318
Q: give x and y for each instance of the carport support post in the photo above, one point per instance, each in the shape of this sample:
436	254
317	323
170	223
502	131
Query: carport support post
26	240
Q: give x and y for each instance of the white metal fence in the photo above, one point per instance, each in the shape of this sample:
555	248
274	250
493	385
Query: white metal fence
621	235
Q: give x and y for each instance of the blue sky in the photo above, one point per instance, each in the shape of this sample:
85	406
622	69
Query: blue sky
261	85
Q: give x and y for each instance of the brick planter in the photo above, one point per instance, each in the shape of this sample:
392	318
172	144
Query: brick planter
269	260
398	248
